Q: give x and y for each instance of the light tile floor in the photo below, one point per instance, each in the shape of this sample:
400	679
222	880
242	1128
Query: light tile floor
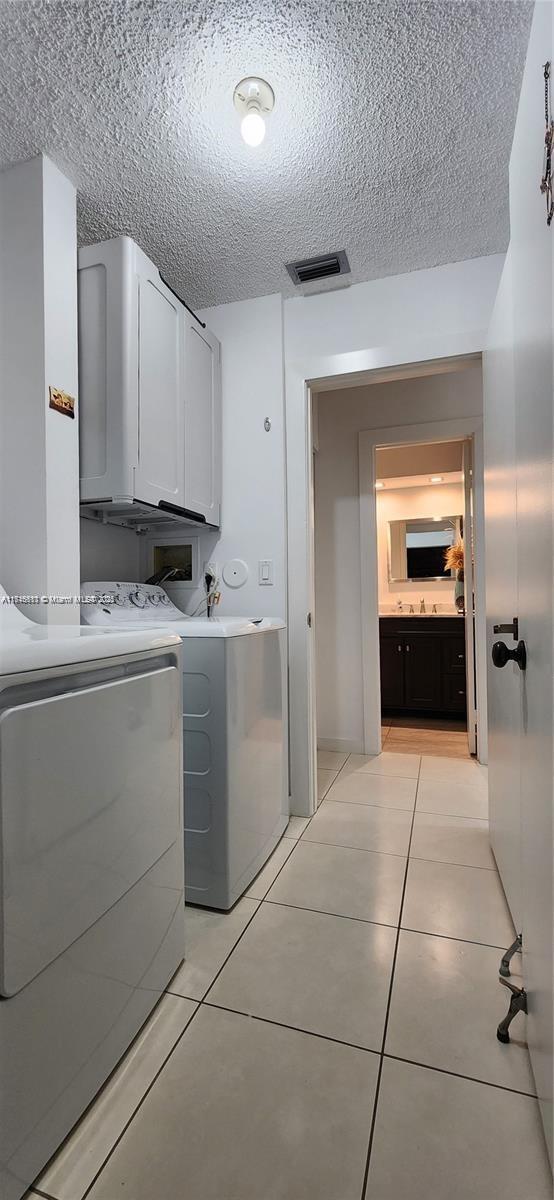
333	1037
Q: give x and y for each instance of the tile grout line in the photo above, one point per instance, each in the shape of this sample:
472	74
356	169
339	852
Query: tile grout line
259	903
199	1004
207	1003
327	1037
389	1001
364	849
323	912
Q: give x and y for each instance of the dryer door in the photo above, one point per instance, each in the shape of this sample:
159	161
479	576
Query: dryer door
90	797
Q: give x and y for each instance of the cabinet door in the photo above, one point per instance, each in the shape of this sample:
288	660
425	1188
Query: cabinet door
454	693
454	655
392	671
159	474
202	405
422	671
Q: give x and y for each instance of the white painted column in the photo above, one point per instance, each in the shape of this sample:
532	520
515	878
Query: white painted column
39	447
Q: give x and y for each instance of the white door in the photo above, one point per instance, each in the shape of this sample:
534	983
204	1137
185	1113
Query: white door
202	405
503	687
159	474
531	249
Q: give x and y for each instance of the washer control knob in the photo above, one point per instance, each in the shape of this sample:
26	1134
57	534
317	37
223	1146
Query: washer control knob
119	599
154	598
138	599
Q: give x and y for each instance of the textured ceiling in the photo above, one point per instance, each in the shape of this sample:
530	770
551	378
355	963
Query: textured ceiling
390	135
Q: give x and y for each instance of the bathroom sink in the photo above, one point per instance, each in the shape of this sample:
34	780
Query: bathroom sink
420	614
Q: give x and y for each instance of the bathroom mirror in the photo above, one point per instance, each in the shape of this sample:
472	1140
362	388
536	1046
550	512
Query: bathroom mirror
417	548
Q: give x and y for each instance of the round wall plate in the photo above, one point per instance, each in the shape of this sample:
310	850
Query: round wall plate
235	573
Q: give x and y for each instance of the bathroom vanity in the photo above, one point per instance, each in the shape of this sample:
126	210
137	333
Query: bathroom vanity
423	663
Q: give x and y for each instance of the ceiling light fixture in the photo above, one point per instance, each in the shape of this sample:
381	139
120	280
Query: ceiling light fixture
436	478
254	99
379	485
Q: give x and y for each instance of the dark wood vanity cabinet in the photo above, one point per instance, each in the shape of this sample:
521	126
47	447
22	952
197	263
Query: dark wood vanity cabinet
423	664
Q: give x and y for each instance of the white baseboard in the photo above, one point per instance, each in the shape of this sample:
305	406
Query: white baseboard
343	745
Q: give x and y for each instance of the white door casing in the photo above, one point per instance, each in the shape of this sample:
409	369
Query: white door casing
299	375
470	599
368	441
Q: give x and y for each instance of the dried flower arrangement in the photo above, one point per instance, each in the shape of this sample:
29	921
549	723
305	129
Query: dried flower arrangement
454	557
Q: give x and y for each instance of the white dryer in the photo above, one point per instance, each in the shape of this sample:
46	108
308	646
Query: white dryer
234	735
91	866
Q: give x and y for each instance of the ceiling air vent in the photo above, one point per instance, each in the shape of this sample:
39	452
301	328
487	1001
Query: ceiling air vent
308	270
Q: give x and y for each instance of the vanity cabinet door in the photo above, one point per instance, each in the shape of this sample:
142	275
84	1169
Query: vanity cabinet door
392	670
422	671
454	655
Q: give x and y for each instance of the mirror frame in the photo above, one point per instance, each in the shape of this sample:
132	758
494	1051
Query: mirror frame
458	519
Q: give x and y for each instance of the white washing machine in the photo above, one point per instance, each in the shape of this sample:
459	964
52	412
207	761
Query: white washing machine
91	867
234	735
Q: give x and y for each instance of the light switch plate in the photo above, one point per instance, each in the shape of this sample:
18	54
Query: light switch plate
265	572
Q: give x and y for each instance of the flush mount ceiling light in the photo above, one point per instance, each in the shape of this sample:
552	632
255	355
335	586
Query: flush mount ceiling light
379	485
436	478
254	99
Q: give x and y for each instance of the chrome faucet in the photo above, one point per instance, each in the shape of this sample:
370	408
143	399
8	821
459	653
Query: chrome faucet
422	605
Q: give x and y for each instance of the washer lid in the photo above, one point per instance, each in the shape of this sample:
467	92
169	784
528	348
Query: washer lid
27	646
227	627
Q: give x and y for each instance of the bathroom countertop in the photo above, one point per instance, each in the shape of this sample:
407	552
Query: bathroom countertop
458	615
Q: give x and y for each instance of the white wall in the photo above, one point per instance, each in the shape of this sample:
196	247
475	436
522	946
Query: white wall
401	504
253	494
39	481
342	415
401	309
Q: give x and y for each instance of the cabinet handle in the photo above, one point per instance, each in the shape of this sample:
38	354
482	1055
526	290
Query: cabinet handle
460	656
399	648
407	649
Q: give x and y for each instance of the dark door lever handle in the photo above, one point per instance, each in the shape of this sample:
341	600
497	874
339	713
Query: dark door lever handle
502	655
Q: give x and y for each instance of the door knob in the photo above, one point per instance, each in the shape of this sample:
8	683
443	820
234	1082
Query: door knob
502	655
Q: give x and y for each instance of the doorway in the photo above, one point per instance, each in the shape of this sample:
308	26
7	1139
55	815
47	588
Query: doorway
347	718
425	677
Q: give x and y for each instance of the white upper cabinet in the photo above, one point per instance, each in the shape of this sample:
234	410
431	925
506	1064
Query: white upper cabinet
149	389
202	384
160	469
